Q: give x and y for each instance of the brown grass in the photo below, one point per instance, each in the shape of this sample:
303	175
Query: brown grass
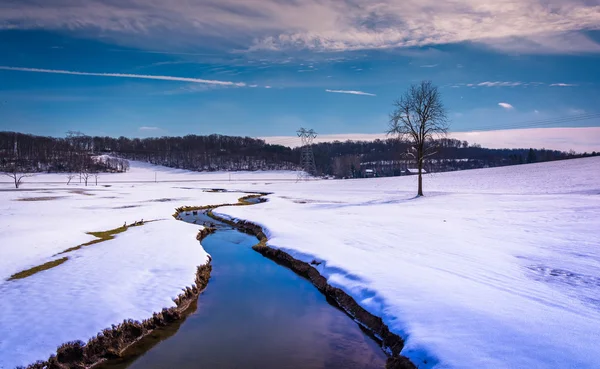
102	236
41	198
81	192
40	268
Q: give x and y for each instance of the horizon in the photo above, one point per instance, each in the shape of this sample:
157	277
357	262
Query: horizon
507	78
560	139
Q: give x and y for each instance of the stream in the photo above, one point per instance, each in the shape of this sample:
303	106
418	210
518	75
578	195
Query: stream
257	314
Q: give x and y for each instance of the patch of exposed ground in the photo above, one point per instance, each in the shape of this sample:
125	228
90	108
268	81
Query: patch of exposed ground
100	237
163	200
40	198
81	192
39	268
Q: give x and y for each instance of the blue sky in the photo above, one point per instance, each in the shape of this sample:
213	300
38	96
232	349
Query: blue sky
267	67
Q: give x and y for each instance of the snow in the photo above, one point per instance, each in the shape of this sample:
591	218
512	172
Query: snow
494	268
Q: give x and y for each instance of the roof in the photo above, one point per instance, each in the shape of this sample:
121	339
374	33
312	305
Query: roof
415	170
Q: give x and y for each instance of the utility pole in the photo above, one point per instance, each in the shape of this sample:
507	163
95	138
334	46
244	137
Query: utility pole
307	158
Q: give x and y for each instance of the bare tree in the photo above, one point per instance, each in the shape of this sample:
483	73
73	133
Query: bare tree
420	117
96	175
84	175
17	174
70	177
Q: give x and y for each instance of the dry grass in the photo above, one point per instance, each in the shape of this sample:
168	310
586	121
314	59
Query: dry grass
37	269
41	198
81	192
102	236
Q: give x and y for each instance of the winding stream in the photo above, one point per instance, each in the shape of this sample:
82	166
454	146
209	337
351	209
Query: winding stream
258	314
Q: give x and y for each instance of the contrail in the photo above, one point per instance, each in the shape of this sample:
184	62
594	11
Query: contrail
123	75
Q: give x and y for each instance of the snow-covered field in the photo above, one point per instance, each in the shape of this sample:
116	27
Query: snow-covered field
494	268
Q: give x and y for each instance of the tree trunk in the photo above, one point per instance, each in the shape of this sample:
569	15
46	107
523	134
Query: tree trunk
420	192
420	155
16	182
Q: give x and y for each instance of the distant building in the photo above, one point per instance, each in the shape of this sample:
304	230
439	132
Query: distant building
369	172
410	171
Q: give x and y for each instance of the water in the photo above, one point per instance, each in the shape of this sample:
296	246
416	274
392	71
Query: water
257	314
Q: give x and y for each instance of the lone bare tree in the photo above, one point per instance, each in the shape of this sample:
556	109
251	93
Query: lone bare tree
419	117
17	173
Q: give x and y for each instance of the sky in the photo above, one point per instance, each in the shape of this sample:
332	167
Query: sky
510	71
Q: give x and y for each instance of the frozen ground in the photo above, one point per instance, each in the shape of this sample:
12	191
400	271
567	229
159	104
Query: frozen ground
495	268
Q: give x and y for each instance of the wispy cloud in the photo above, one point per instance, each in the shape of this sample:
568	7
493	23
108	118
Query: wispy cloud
506	106
511	84
429	65
123	75
499	84
350	92
145	128
525	26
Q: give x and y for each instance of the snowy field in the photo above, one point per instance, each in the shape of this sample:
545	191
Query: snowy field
494	268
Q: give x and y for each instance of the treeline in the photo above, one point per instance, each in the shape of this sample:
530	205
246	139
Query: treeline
391	157
78	152
72	154
200	153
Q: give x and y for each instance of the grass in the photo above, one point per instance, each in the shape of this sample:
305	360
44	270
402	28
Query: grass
81	192
41	198
101	236
37	269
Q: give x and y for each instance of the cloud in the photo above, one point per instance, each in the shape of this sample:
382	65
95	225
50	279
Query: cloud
506	106
429	66
526	26
500	84
579	139
511	84
145	128
122	75
351	92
